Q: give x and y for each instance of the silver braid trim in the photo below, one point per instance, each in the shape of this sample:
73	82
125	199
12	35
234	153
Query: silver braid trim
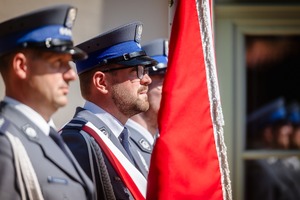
204	17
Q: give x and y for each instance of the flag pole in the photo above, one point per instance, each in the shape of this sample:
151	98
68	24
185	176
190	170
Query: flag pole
172	9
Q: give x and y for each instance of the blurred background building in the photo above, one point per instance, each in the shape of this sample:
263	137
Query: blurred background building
257	54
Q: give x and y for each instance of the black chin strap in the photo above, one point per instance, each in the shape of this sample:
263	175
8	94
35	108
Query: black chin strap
49	44
124	57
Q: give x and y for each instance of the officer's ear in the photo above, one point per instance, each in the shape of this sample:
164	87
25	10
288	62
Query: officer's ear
100	81
19	64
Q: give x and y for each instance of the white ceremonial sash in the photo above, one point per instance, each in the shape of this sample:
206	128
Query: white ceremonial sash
133	179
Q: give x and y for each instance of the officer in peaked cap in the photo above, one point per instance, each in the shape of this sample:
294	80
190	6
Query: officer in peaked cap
35	51
158	49
47	29
119	46
293	113
144	126
269	113
263	123
114	82
271	177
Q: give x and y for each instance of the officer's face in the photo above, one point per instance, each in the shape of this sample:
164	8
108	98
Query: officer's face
155	91
283	136
128	92
296	137
49	75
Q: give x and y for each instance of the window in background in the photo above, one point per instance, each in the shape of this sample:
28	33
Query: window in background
273	117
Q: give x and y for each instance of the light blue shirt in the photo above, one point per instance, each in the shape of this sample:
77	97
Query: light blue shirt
111	122
32	115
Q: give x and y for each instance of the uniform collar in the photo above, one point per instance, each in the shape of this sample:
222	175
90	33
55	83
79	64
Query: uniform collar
111	122
32	115
133	124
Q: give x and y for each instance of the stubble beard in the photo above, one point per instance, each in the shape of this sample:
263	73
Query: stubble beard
129	104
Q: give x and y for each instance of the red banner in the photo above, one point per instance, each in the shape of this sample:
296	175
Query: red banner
188	157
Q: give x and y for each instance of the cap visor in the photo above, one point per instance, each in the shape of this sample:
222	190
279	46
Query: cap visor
157	72
141	60
78	54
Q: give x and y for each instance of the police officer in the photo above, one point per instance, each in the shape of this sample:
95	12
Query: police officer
158	50
114	82
144	126
35	51
272	177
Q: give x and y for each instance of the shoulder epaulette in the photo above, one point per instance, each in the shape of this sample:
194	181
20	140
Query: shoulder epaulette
75	123
4	125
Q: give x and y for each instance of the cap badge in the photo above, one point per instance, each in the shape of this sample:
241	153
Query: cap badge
138	34
71	17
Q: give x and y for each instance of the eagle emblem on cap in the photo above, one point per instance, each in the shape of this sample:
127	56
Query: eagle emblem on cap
71	16
138	33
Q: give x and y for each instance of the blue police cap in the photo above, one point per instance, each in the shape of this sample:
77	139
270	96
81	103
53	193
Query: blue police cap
120	46
268	114
158	49
46	29
293	113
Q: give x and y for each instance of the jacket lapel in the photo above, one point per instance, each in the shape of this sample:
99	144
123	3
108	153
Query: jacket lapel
139	160
32	133
57	156
88	116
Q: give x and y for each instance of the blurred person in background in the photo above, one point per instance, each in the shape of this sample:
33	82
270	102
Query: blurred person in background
146	123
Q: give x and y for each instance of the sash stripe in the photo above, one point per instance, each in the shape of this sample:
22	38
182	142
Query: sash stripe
133	179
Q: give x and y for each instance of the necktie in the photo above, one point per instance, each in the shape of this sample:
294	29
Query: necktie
59	141
124	139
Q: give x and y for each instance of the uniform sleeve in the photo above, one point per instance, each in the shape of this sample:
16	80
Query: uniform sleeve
77	144
78	147
8	185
